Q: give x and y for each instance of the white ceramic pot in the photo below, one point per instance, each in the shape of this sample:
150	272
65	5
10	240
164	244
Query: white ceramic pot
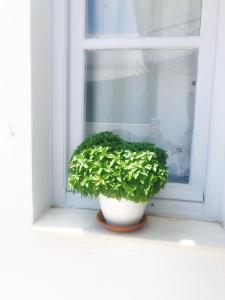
121	212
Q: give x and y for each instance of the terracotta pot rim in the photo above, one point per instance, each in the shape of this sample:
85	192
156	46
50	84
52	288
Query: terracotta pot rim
101	220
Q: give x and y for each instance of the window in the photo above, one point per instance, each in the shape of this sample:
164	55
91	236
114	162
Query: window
145	95
143	69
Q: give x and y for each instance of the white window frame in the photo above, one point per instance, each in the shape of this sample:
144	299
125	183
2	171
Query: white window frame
68	63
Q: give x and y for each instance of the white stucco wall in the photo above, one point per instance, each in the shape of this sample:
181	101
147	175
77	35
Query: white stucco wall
219	95
15	113
22	184
41	103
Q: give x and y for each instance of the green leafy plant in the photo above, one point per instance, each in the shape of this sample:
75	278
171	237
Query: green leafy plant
106	164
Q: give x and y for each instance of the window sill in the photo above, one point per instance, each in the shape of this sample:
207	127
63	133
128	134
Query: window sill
170	231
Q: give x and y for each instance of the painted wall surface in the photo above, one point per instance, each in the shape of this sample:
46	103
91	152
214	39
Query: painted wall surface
15	113
41	103
218	143
24	186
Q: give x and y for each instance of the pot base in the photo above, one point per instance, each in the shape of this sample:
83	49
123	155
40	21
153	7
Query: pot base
121	212
128	228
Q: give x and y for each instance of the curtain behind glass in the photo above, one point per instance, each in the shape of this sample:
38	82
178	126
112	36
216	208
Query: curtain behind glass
150	99
108	18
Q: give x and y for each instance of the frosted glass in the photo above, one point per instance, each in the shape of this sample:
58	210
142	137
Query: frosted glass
107	18
144	95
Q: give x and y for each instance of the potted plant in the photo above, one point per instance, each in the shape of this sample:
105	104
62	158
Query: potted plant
123	175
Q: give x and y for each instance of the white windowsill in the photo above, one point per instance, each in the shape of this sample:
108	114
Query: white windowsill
170	231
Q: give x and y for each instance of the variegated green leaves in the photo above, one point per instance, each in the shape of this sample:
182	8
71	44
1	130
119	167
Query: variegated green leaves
105	164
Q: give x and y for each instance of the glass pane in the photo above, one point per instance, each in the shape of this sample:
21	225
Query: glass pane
145	95
134	18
